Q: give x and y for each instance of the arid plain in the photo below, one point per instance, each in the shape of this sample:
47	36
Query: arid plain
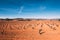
29	29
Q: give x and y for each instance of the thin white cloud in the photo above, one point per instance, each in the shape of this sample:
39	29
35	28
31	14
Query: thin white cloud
20	10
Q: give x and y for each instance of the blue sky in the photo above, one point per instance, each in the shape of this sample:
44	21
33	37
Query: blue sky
30	9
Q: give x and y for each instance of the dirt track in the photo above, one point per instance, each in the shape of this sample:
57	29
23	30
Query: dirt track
30	30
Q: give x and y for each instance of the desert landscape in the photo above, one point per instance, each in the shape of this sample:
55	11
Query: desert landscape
29	29
29	19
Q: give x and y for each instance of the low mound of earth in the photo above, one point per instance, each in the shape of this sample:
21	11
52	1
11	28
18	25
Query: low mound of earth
29	30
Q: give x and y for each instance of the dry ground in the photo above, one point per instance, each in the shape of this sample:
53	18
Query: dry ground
30	30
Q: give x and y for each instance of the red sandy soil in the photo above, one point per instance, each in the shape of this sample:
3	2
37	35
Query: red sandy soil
30	30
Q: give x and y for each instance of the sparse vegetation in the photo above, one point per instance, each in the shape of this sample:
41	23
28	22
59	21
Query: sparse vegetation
32	27
51	26
58	19
18	29
41	25
41	31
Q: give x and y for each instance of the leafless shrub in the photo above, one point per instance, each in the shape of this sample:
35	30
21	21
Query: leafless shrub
32	27
49	25
58	19
41	25
54	28
40	31
57	25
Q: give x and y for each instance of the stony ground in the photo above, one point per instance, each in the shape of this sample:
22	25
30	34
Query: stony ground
30	30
